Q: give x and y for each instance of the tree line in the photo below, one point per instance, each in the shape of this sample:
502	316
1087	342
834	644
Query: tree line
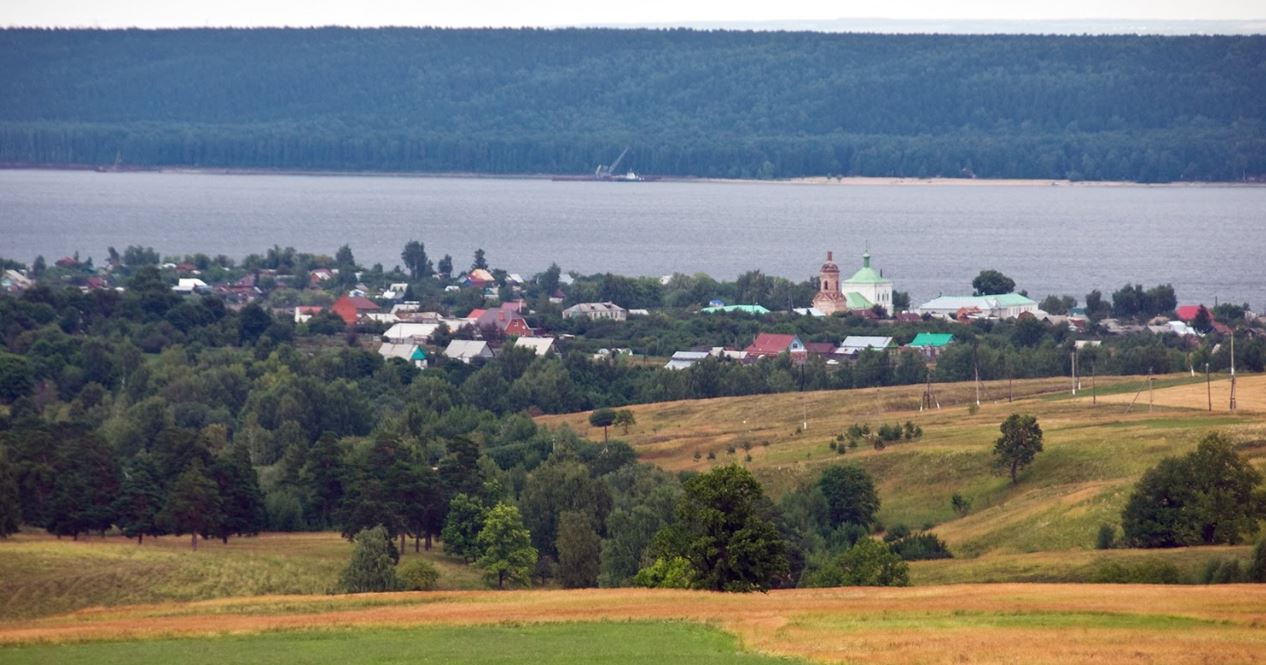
689	103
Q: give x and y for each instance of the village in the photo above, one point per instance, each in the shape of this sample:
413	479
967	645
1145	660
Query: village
480	312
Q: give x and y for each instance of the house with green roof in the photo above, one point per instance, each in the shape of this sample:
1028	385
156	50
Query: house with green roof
867	287
754	310
1000	306
930	344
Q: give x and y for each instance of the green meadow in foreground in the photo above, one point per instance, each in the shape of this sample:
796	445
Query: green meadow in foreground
561	644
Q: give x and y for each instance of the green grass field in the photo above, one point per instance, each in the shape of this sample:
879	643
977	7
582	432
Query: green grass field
664	643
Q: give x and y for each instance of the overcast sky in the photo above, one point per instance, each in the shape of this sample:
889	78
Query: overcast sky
174	13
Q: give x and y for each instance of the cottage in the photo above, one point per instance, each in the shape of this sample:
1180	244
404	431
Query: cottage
541	346
685	359
1001	306
855	344
930	344
352	308
304	313
596	311
501	322
187	285
410	333
467	351
413	354
768	345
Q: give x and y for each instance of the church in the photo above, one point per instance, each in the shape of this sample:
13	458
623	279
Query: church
865	289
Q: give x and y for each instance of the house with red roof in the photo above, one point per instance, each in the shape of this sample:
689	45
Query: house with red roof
1189	313
769	345
500	322
352	308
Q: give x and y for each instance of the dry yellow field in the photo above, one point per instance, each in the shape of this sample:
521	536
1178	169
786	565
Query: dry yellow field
1005	623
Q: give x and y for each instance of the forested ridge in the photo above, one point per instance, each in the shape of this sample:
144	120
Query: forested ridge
688	103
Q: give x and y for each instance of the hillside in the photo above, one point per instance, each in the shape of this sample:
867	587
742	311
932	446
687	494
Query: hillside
1093	453
689	103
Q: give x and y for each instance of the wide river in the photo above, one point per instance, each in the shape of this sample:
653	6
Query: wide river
1209	242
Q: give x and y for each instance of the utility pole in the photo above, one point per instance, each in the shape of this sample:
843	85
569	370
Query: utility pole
1208	385
1232	370
1073	373
1094	396
1149	389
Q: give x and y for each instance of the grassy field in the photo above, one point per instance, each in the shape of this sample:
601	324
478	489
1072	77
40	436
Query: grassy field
1002	623
42	575
542	644
1094	452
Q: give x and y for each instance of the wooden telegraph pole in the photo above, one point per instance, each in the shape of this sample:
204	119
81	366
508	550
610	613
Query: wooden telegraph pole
1233	370
1208	385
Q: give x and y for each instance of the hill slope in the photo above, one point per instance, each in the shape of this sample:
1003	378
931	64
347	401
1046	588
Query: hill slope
1093	453
730	104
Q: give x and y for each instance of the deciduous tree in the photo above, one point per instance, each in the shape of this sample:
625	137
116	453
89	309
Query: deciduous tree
1019	444
507	555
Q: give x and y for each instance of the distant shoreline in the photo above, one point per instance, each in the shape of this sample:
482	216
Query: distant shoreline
806	180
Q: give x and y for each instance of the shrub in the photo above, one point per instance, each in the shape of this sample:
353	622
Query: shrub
1152	571
961	505
672	573
868	563
1257	565
418	575
1229	572
897	532
922	546
1106	538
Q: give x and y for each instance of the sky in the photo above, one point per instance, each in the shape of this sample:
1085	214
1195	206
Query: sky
545	13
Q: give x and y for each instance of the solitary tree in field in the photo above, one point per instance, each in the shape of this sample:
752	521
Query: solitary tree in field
507	555
624	419
992	282
371	567
603	418
1020	442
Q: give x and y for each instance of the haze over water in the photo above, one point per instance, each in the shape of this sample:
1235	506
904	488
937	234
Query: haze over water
929	239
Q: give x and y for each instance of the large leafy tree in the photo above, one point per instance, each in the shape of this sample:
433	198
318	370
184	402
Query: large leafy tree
1210	496
556	487
372	566
506	552
10	509
1019	444
462	525
850	495
868	562
992	282
725	530
415	260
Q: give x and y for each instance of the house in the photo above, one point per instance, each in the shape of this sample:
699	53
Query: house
318	275
930	344
855	344
410	333
395	291
809	311
819	348
411	353
187	285
502	322
467	351
754	310
1001	306
1180	328
768	345
541	346
15	281
685	359
596	311
304	313
863	291
351	308
480	278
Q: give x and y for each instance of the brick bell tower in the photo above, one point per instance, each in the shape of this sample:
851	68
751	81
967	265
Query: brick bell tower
829	299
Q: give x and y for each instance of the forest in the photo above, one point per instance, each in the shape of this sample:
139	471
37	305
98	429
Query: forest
687	103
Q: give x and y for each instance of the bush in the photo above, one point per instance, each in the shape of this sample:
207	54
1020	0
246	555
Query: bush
1152	571
1106	538
1228	572
418	575
1257	565
868	563
960	504
673	573
897	532
921	547
371	568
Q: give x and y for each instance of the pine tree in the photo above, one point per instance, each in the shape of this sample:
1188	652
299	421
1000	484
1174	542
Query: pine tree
140	500
193	504
10	509
241	500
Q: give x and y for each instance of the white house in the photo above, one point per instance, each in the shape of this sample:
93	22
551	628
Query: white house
188	285
414	333
539	345
595	311
685	359
1001	306
855	344
409	352
867	287
465	350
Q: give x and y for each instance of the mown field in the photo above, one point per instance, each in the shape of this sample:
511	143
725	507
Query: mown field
1003	623
1094	449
